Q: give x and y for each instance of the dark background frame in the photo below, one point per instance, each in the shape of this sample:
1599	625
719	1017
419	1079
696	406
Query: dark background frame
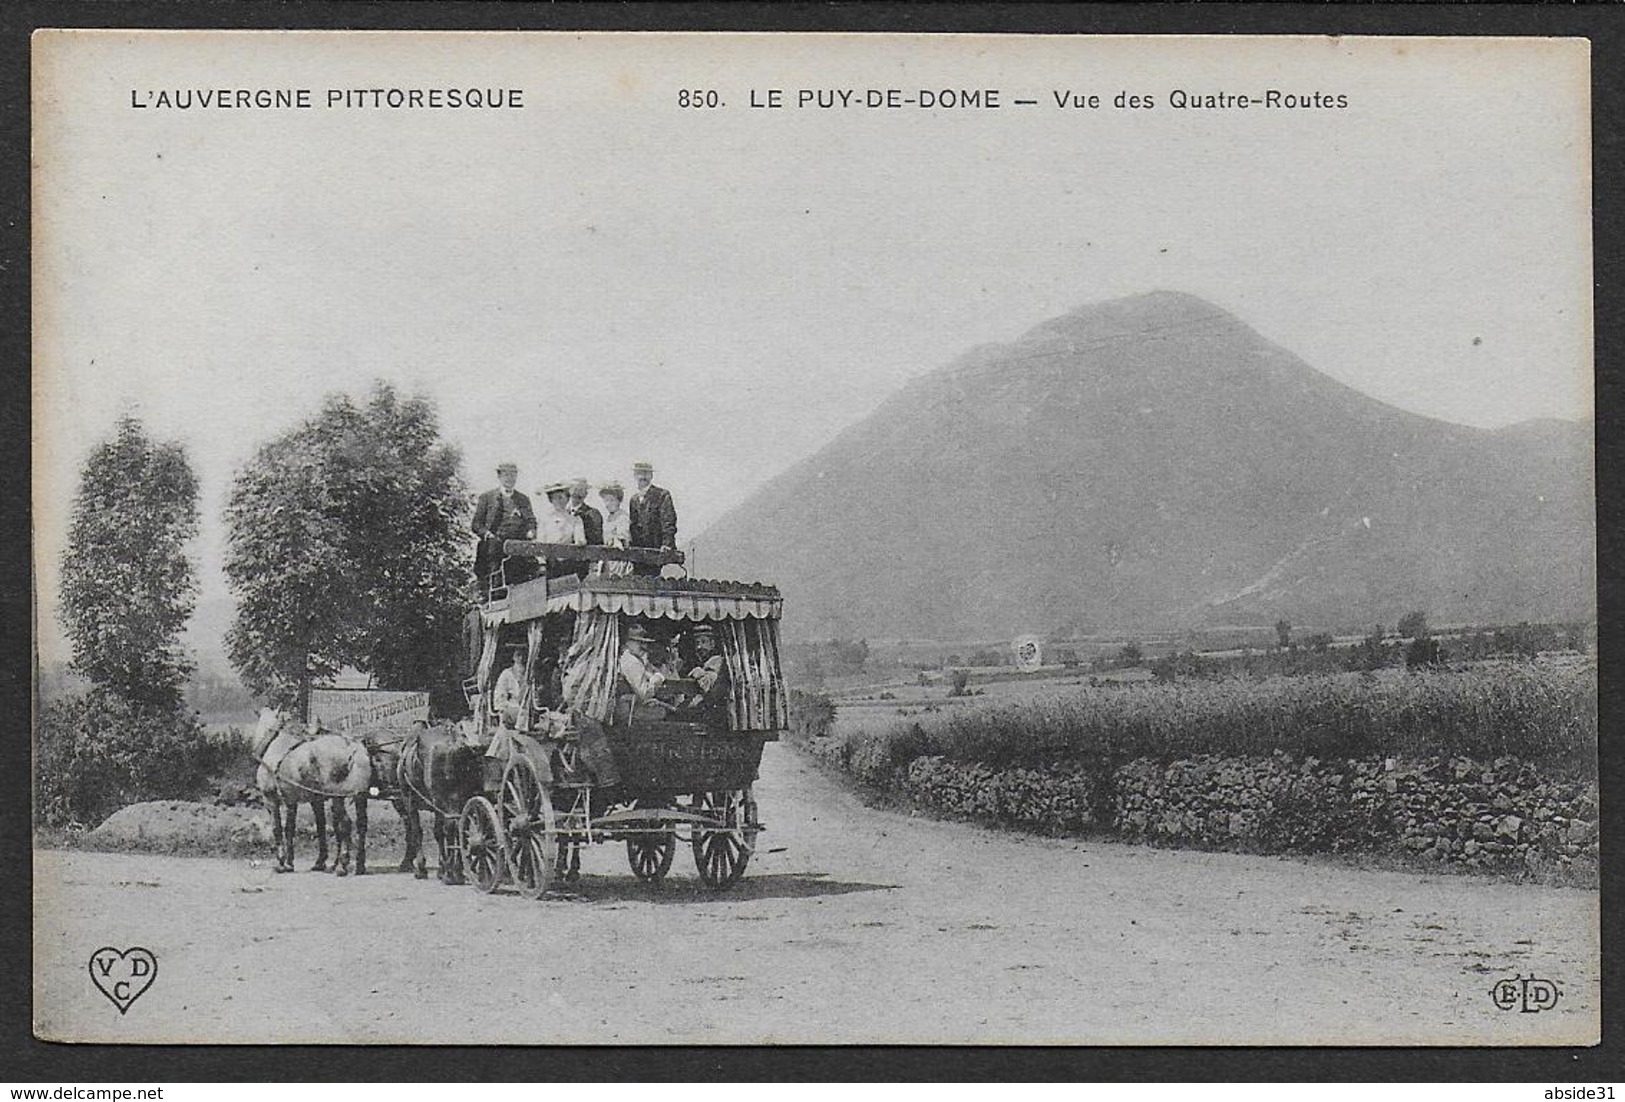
27	1059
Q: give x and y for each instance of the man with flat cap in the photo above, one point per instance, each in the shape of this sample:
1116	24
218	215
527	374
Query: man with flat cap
592	521
501	514
652	514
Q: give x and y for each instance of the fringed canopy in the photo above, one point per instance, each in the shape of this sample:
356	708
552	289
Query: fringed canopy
661	598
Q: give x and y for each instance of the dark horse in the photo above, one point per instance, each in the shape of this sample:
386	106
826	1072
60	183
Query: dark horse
438	772
297	766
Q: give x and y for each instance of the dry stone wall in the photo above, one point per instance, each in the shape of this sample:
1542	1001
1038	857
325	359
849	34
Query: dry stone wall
1497	815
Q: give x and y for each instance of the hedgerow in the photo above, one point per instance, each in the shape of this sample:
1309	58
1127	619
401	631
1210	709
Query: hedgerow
1535	713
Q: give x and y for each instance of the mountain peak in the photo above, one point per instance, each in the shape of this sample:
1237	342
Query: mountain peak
1144	313
1142	462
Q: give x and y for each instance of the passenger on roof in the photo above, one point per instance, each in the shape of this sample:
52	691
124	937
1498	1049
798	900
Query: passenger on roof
558	525
592	521
502	514
617	527
653	517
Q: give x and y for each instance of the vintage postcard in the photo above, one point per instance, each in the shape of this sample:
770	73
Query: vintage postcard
555	538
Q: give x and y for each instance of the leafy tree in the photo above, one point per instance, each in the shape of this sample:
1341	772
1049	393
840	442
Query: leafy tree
1413	625
1423	651
127	591
127	584
1181	664
98	751
1370	654
345	549
1283	633
847	657
1131	655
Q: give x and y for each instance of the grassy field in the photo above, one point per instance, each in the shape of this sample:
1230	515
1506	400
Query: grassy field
1541	711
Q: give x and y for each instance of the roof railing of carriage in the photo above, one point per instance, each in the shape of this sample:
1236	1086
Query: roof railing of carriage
535	597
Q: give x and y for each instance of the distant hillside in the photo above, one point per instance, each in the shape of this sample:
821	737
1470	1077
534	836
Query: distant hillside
1153	462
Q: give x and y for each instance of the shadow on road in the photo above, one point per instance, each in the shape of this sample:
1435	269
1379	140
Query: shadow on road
782	885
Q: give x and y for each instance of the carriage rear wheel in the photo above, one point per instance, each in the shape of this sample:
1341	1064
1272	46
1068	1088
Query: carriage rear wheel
721	854
650	855
526	812
483	844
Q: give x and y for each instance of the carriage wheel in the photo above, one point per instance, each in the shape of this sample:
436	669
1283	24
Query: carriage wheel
483	844
650	855
526	812
721	855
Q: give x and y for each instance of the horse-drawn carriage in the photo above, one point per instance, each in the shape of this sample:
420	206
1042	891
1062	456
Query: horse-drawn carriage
578	759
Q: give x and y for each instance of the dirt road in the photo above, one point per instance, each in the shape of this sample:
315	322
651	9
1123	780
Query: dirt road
866	926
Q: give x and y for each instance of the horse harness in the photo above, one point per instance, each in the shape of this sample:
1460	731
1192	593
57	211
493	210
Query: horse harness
298	739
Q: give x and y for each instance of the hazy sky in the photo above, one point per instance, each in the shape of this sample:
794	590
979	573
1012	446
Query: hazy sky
602	276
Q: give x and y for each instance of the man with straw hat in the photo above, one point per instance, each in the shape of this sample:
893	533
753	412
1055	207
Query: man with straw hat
652	514
501	514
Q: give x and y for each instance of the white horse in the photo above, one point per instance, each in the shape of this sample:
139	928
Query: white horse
297	766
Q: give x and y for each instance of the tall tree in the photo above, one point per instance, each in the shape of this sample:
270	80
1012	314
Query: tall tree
286	563
128	586
345	549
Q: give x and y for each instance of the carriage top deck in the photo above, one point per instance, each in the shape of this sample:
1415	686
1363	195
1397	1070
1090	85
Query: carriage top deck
695	599
665	598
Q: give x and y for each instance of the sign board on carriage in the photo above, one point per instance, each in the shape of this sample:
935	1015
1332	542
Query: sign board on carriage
350	709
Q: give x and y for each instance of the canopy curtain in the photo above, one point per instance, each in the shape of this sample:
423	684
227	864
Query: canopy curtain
757	698
473	642
533	653
592	664
488	661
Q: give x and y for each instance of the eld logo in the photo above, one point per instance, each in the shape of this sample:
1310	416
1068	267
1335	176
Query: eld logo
1528	996
123	976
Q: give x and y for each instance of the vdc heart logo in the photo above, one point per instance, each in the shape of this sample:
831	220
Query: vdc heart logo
123	975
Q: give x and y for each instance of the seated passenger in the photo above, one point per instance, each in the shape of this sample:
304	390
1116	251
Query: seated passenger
510	691
710	672
642	670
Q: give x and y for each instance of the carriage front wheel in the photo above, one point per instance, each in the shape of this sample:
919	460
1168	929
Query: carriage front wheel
721	852
526	811
483	843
